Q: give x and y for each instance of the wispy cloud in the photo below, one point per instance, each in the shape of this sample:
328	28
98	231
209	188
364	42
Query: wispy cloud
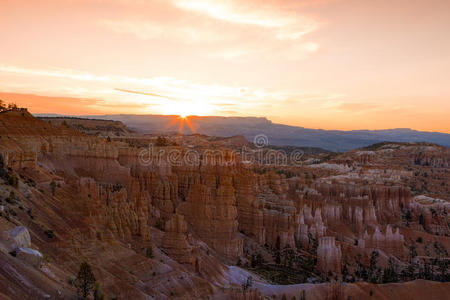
59	73
285	25
228	29
149	30
145	93
154	93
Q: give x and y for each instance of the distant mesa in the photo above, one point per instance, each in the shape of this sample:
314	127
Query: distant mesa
278	134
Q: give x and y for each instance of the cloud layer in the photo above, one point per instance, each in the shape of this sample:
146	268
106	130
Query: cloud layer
314	63
230	28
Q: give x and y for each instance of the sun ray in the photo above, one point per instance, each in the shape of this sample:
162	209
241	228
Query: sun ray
190	124
181	125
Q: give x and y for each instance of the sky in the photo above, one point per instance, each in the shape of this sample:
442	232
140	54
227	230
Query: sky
331	64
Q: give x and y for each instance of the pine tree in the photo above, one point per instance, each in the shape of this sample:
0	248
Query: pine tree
390	273
12	106
277	251
85	280
373	271
277	257
421	221
53	187
248	284
149	252
345	272
259	259
359	267
412	252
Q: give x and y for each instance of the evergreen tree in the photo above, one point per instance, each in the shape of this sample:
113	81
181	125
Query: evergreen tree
259	259
408	273
53	187
373	271
253	261
443	266
277	257
412	252
85	280
248	284
149	252
277	251
421	222
361	271
390	273
345	272
12	106
426	273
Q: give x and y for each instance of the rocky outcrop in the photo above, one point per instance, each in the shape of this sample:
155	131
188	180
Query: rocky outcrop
17	241
390	241
17	237
175	240
210	208
30	256
265	212
329	256
365	157
110	209
432	156
96	127
309	226
112	204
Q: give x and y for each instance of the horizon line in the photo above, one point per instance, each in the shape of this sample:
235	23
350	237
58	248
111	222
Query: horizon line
86	116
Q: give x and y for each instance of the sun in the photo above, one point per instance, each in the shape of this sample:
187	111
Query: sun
186	108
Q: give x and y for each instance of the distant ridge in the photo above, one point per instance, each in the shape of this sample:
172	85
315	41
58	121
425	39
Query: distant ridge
277	134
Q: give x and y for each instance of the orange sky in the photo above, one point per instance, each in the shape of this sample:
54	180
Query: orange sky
332	64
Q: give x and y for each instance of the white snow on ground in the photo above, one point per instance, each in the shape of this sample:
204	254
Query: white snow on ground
239	276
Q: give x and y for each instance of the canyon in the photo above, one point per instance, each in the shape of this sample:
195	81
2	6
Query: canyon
370	223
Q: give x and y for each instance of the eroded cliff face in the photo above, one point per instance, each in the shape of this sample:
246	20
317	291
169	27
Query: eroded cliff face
176	241
101	203
152	226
